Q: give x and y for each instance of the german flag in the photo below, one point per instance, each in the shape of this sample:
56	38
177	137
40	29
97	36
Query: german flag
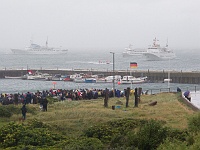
133	65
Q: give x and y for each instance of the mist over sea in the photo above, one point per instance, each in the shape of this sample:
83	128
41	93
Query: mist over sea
187	60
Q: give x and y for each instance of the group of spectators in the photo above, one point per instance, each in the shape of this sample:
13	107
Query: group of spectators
60	94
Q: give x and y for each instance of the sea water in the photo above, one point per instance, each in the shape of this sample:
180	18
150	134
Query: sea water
94	60
97	60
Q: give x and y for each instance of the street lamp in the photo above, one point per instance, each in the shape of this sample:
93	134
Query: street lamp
113	73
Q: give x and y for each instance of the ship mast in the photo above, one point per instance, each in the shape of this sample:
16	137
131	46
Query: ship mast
167	43
47	43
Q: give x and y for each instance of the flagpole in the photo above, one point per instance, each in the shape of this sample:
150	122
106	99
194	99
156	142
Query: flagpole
113	73
169	75
131	81
132	65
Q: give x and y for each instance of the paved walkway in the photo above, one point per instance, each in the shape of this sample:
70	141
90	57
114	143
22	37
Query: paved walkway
195	98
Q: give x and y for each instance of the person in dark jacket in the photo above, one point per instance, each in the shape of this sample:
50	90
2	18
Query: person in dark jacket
24	110
45	102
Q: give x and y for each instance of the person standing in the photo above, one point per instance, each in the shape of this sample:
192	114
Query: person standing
24	110
45	102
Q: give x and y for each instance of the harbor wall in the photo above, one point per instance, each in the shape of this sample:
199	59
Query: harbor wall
189	104
153	76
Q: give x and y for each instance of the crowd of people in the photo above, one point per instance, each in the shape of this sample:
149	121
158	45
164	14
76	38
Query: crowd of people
61	94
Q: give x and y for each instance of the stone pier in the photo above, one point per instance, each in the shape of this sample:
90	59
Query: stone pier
153	76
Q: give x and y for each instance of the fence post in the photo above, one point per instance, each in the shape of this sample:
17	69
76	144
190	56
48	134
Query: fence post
136	97
106	98
127	96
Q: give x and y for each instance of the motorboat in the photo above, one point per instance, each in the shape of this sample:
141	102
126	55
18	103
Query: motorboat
77	77
67	78
57	77
10	77
90	80
85	80
79	80
37	49
156	52
37	76
132	80
109	79
129	51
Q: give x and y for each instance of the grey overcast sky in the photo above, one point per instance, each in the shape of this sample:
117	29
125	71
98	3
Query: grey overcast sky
100	24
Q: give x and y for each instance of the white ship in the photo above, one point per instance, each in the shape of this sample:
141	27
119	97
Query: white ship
132	80
129	51
37	49
156	52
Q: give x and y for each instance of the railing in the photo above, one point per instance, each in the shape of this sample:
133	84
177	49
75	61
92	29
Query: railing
159	90
191	88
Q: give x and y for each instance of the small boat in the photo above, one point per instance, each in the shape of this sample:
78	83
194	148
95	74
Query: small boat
90	80
109	79
10	77
79	80
57	77
85	80
36	76
132	80
167	80
67	78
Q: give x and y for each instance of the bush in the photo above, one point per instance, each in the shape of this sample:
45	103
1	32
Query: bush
31	134
4	112
9	110
129	133
84	144
194	123
173	144
180	135
150	135
127	124
196	142
102	132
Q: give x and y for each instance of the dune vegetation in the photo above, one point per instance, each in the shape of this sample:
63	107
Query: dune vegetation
87	124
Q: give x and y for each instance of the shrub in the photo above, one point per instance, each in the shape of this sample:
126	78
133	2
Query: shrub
9	110
31	134
150	135
102	132
84	144
127	124
180	135
193	123
173	144
196	142
4	112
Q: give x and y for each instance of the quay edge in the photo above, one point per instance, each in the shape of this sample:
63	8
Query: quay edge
153	76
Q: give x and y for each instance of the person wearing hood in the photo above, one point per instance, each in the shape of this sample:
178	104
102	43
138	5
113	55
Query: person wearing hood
24	110
187	95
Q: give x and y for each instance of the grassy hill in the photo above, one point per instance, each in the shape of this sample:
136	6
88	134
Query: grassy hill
73	118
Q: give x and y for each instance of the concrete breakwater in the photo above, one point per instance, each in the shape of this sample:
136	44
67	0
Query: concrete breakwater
153	76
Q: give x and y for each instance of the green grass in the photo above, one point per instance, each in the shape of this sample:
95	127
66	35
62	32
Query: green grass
72	117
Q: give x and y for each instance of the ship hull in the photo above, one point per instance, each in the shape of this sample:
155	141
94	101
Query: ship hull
39	51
